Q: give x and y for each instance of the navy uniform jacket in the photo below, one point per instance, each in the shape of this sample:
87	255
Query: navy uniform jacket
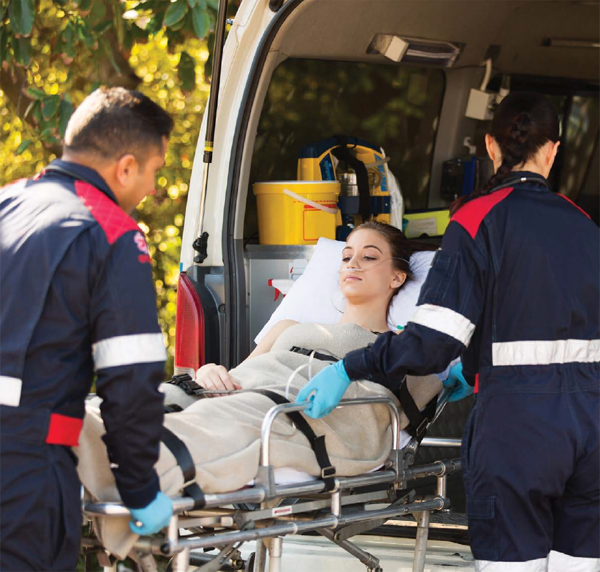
77	299
515	289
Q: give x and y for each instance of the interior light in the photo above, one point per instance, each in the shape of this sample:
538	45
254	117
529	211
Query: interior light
413	50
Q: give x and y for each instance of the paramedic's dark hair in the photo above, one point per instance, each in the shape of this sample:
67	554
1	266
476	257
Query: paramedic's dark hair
112	122
400	247
522	124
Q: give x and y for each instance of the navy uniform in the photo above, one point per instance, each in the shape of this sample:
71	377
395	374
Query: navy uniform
515	290
76	300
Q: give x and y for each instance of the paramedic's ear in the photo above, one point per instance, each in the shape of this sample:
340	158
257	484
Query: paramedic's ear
493	151
126	170
551	152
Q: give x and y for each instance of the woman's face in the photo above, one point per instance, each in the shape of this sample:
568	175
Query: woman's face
367	271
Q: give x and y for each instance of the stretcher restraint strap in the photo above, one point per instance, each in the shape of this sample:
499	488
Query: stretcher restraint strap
186	464
317	443
316	355
418	420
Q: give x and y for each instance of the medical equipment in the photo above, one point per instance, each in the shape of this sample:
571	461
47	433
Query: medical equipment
336	507
361	169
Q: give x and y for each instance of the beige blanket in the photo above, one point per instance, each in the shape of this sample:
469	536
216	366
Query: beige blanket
223	433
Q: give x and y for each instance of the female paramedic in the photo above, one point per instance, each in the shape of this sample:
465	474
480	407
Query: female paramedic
515	291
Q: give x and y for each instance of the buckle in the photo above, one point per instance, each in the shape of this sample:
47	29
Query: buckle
420	430
328	472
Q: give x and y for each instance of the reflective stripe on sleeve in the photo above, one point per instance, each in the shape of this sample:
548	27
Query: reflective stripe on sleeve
542	352
446	321
10	390
129	350
537	565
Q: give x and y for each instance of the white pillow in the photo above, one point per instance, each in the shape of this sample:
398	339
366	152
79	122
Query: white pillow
316	296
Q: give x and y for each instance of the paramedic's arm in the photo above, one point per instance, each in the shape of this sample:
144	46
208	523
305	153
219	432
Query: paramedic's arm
129	356
448	310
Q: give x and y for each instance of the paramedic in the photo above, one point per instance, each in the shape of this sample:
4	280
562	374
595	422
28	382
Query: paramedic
515	290
78	299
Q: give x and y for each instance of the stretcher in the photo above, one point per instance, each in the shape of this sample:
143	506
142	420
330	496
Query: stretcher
335	507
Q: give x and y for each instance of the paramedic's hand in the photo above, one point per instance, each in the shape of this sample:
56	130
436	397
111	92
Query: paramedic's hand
153	517
325	390
456	380
215	378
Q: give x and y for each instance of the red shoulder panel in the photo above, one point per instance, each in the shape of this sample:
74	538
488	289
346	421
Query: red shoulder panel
110	216
576	206
472	214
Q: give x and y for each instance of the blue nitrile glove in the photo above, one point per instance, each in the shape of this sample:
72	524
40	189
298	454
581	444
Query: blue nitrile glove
153	517
456	381
327	389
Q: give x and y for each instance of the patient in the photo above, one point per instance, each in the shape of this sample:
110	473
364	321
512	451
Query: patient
374	267
223	434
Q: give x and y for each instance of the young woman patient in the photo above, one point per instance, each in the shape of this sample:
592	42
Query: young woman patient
374	267
223	434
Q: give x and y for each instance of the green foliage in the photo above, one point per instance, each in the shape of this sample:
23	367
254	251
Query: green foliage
55	52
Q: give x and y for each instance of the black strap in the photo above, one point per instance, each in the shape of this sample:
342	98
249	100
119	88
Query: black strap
362	177
317	443
418	420
184	381
186	464
516	179
317	355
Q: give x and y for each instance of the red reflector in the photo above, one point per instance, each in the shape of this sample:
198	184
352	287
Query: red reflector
64	430
189	329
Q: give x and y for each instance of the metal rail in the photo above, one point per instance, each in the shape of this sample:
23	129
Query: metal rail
274	412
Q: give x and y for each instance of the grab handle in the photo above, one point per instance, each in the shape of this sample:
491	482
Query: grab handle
309	202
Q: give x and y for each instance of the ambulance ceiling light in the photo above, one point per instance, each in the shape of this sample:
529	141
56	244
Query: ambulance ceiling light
416	51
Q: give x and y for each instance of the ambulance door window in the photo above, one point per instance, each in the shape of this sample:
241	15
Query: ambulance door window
390	106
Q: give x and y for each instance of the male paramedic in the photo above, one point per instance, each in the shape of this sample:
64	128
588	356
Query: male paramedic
515	290
77	303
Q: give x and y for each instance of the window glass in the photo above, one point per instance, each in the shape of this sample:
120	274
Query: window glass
393	107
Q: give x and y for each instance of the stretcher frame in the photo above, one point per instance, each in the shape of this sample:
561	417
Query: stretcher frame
226	522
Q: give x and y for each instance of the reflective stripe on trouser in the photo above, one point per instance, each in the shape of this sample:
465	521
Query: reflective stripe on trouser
531	464
555	562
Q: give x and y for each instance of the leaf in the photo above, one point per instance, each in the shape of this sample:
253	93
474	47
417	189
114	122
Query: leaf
108	51
22	15
84	5
3	43
84	34
24	144
50	106
186	71
22	49
193	3
175	13
214	4
96	15
66	110
35	93
200	20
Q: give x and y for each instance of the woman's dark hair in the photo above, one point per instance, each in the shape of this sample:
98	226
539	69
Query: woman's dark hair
523	123
400	247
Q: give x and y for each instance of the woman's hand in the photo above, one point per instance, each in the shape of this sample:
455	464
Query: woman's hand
215	377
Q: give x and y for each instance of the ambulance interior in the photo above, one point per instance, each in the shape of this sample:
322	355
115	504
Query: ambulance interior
333	68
